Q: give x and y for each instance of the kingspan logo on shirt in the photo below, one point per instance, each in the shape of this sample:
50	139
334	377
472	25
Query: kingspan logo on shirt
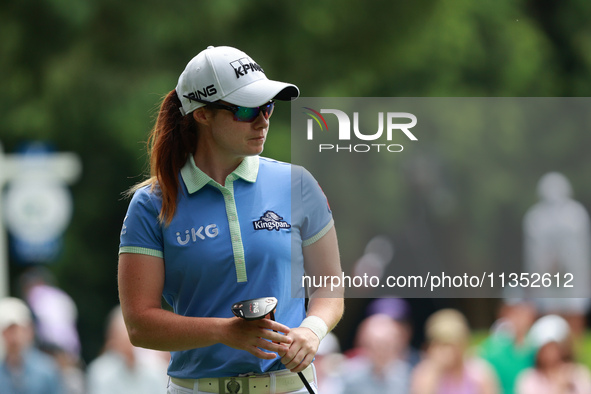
270	221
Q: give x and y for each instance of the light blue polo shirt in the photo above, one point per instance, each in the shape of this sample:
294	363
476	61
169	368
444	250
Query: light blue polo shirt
230	243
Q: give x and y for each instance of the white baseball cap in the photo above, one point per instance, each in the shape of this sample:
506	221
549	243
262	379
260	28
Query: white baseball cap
550	328
227	73
14	311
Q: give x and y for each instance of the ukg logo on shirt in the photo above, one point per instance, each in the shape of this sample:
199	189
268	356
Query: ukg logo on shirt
390	125
203	232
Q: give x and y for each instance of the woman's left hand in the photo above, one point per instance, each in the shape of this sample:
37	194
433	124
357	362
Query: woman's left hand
302	350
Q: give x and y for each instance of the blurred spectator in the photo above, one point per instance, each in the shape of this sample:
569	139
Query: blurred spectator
73	376
55	315
446	369
378	365
555	372
23	368
328	363
123	368
556	242
507	348
54	311
399	310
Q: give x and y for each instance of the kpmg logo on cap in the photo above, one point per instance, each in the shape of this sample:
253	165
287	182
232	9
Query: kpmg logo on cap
245	65
393	125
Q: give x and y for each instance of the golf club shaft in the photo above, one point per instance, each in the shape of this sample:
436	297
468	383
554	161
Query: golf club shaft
305	381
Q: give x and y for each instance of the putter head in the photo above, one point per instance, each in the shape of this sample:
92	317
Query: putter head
254	309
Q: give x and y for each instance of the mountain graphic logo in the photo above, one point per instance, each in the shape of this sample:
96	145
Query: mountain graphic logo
270	221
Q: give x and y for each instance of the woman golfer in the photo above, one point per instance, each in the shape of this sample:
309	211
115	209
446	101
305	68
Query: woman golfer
217	224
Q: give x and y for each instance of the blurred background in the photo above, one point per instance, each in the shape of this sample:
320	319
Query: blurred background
86	77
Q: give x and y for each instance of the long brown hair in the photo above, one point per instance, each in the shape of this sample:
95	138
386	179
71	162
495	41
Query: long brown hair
172	140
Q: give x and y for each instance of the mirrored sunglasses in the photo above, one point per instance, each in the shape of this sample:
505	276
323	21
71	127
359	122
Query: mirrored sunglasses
241	114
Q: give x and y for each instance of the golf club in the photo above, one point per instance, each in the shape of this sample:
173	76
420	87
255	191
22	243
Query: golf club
258	308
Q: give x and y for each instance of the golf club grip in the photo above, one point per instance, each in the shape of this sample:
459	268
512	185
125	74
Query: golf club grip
301	375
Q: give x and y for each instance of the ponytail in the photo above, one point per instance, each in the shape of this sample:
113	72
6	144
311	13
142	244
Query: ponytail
172	140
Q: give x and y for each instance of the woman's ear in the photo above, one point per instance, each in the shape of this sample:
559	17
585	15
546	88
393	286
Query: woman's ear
202	115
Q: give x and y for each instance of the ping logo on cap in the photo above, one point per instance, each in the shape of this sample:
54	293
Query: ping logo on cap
244	65
207	91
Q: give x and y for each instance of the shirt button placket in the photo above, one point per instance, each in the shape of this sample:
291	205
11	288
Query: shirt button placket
232	214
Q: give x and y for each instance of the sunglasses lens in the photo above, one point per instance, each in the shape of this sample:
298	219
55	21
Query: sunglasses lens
267	110
247	114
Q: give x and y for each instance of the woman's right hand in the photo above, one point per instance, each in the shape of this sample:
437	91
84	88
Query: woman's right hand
256	337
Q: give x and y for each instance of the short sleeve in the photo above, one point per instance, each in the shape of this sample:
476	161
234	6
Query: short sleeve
141	232
316	214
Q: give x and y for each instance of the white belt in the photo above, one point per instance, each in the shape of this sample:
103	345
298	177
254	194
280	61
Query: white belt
253	384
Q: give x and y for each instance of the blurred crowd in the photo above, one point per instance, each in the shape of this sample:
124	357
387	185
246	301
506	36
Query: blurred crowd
533	346
523	353
40	348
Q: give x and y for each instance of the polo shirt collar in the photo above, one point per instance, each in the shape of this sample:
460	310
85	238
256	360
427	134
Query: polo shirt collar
195	179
